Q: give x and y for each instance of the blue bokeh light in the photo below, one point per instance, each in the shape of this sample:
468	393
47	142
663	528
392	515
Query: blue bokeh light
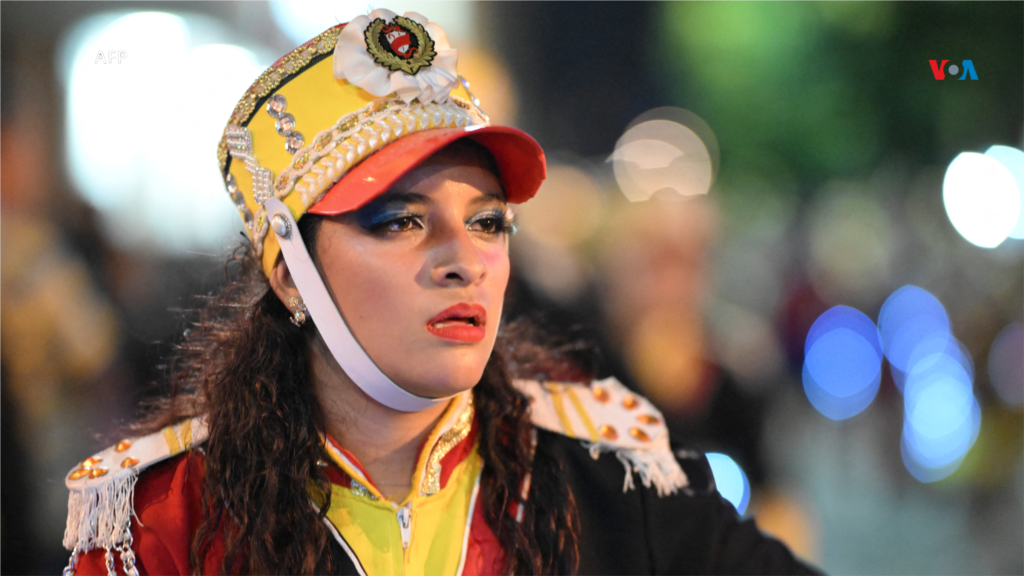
931	350
842	363
730	480
941	415
912	322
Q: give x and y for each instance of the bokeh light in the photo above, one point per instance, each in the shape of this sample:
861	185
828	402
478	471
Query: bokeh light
850	244
912	322
1006	364
301	20
492	83
929	351
567	210
137	122
666	151
935	372
941	417
1013	159
731	480
842	363
566	213
746	343
981	198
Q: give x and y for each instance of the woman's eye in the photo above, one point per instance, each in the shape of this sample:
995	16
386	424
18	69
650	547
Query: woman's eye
492	225
400	224
488	225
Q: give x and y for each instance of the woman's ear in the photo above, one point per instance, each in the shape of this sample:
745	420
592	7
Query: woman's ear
283	285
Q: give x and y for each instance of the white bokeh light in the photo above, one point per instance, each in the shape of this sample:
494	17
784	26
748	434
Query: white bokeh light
1013	159
981	199
143	126
660	155
301	20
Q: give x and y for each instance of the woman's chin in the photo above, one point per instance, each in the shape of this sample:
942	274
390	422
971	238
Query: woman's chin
442	383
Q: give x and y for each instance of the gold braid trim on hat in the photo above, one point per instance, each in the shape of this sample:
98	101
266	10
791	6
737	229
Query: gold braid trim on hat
315	168
288	66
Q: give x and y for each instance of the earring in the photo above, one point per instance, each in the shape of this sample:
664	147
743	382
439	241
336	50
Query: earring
299	318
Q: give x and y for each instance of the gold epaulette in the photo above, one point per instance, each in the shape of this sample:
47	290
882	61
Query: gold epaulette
100	506
608	417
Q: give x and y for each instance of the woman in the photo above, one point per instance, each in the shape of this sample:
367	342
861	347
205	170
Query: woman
344	408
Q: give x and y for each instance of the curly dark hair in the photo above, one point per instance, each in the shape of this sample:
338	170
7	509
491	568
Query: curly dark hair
246	368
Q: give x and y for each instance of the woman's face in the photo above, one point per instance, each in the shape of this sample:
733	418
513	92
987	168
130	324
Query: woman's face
419	274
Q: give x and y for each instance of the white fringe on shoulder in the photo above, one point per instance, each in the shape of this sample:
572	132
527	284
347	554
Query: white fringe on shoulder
655	467
608	417
101	507
99	515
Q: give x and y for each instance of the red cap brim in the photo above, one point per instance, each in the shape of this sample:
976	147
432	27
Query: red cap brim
520	161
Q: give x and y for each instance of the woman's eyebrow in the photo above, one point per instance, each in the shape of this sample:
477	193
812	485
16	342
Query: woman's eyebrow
417	198
405	198
485	198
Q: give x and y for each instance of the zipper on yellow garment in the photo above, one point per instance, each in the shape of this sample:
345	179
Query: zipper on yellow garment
405	526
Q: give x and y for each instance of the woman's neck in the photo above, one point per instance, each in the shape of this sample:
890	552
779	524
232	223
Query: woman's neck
386	441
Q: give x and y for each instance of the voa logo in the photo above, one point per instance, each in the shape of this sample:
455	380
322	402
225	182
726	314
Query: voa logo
939	70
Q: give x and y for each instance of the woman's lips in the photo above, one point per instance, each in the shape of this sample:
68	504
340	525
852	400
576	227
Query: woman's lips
462	322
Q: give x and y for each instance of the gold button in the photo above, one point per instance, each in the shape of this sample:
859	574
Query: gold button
97	472
608	432
600	393
129	462
90	462
78	474
648	419
639	434
123	445
630	402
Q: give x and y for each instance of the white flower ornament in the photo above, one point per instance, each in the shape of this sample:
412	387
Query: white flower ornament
408	55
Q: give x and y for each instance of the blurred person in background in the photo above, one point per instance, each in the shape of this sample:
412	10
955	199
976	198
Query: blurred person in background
16	545
395	438
655	262
633	280
58	328
654	259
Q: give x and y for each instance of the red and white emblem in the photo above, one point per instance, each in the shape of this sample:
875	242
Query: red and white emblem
399	41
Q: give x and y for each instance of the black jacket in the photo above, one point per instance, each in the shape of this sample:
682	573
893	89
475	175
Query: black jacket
694	531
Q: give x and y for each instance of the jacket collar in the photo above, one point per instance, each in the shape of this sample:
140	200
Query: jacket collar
443	449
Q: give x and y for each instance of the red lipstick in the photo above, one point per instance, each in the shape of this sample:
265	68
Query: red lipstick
462	322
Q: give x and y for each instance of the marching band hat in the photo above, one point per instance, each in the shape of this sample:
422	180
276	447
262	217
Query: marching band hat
335	122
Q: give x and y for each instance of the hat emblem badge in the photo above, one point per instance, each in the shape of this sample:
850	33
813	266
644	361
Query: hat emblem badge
403	44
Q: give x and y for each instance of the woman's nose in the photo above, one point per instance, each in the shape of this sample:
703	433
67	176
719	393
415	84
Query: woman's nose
457	262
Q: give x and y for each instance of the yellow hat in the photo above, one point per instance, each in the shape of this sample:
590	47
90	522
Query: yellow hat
336	121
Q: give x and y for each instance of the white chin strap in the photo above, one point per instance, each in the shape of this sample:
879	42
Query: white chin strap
346	350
